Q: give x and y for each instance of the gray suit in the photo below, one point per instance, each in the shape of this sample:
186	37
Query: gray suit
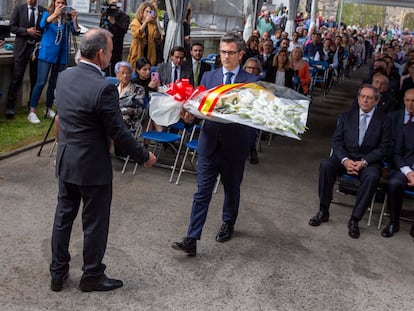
89	117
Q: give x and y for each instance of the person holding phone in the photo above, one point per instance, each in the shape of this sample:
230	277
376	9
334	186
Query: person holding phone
145	35
150	82
53	53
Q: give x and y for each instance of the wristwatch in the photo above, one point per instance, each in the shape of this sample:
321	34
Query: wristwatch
365	162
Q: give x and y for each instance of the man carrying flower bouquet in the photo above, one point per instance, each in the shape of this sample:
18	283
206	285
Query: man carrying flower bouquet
223	149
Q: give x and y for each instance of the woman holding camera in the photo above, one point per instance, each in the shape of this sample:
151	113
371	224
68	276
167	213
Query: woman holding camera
53	53
145	35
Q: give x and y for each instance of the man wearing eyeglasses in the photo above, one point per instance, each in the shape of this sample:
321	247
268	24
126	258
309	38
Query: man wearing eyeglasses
360	143
223	149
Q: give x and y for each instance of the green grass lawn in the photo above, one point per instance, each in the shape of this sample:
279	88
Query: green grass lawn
18	132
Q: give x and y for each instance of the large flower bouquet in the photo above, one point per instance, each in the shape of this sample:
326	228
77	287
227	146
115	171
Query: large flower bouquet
261	105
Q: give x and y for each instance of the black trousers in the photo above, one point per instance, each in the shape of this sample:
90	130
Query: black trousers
19	67
331	168
95	223
396	184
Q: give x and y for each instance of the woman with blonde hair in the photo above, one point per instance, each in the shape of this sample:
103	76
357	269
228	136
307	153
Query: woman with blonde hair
145	35
280	72
301	69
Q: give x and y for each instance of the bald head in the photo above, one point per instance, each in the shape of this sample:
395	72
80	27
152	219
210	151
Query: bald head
94	40
409	100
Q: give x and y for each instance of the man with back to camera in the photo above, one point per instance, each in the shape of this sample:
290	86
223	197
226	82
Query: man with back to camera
89	118
117	22
24	23
223	149
360	143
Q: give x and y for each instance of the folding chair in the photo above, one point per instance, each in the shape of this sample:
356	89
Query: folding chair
406	194
348	184
191	146
159	139
319	75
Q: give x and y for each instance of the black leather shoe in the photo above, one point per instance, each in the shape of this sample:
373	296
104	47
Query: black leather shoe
353	229
390	230
56	285
412	231
100	284
187	245
254	158
225	232
10	113
319	218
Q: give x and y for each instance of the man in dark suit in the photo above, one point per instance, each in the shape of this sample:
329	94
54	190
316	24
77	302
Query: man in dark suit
403	159
24	22
223	149
175	69
199	67
266	58
360	143
88	119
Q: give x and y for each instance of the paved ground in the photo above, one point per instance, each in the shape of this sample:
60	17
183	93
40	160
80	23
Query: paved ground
276	261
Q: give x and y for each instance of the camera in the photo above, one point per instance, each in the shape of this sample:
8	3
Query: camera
68	9
109	10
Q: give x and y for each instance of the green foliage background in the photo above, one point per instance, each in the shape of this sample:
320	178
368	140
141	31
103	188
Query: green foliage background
362	14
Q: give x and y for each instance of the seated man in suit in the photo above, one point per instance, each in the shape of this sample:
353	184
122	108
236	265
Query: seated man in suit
360	143
175	69
196	52
403	160
223	149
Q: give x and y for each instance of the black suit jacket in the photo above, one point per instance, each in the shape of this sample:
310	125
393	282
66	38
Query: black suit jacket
164	72
404	148
19	22
234	138
377	141
203	68
89	117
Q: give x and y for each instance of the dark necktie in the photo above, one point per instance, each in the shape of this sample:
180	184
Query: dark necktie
32	17
197	69
229	74
362	127
410	117
175	74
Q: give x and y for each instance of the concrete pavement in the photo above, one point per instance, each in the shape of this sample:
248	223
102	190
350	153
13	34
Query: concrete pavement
275	261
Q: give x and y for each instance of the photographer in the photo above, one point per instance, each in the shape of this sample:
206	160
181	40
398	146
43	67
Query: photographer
117	22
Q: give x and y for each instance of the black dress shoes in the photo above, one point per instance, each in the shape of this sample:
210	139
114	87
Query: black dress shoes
412	231
100	284
353	229
56	285
390	230
319	218
254	158
187	245
225	232
10	113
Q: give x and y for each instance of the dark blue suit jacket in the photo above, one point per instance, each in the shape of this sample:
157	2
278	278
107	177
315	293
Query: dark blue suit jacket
234	138
377	141
404	148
